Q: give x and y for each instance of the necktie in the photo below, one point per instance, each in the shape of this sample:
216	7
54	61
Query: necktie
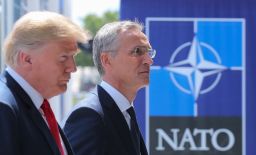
52	123
134	129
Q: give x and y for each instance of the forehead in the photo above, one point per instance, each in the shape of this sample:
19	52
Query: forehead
133	36
59	46
69	44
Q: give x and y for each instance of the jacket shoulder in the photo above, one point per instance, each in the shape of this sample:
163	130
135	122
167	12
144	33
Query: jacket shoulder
6	96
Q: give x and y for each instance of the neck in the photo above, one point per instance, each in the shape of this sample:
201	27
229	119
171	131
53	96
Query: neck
128	91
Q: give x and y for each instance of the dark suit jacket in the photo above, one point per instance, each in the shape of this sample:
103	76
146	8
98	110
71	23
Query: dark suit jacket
102	130
23	131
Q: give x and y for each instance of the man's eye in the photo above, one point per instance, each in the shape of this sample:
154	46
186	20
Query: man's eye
138	51
63	58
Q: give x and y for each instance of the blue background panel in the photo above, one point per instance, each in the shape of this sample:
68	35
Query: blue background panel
245	9
225	37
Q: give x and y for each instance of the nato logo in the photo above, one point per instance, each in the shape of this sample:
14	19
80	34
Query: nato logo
196	97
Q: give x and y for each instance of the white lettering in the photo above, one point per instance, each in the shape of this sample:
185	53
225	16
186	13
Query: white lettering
188	139
163	136
231	139
203	138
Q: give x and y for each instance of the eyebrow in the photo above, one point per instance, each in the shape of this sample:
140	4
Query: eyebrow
149	47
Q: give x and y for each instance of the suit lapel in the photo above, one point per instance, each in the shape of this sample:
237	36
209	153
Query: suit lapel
143	148
23	100
114	117
66	143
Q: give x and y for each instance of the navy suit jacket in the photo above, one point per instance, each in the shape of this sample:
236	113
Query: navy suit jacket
97	127
23	130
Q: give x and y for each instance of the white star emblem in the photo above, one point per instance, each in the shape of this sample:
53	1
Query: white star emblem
195	68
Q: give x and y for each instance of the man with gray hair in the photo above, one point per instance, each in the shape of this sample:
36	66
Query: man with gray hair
39	53
105	122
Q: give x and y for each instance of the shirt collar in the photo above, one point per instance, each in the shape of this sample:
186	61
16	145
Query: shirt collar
35	96
121	101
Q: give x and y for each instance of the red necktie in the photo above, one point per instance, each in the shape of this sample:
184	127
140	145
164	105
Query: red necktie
52	123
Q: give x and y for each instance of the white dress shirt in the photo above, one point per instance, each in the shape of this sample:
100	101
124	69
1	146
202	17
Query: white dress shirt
121	101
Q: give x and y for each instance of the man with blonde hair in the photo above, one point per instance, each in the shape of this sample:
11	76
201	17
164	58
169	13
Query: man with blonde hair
39	53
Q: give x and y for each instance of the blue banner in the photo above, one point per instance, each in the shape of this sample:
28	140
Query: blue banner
200	97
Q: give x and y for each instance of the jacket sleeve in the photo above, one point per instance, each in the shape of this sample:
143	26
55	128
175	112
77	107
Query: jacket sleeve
9	140
85	131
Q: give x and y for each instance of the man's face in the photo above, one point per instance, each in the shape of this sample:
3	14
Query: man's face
128	69
51	67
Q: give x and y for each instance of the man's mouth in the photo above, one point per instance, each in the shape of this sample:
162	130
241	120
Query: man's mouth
65	80
144	72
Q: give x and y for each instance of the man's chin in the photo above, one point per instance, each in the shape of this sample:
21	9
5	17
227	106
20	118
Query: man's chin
63	88
145	83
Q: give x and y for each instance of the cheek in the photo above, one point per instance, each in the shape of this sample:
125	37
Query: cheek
135	67
51	72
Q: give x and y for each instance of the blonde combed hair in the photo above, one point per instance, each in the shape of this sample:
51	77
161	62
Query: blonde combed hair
37	28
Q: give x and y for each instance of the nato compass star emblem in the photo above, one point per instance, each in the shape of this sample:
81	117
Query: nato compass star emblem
195	68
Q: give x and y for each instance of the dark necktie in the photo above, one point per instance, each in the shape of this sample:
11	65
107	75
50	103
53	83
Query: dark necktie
135	133
52	123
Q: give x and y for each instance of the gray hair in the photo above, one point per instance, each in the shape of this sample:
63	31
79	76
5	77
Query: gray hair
37	28
106	39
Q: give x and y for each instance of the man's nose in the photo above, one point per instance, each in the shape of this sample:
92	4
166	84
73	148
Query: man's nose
148	60
71	66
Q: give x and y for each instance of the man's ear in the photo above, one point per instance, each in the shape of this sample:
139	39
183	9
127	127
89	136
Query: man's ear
24	58
105	59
